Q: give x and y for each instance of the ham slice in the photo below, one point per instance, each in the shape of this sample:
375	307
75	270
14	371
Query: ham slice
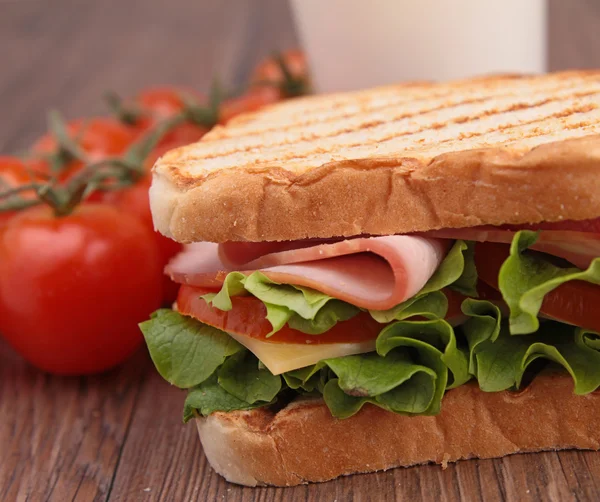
577	247
374	273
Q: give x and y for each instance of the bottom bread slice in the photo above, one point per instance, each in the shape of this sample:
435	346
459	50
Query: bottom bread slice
303	443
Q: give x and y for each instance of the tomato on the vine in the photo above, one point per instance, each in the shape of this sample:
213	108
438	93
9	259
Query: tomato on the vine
134	200
74	287
13	174
98	138
274	79
270	71
161	103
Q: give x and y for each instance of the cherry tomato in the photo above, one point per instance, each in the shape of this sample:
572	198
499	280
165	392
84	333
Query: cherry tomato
574	302
13	173
99	138
134	200
73	288
270	71
163	102
252	100
248	318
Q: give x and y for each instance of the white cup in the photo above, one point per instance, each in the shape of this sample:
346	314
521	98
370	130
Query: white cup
353	44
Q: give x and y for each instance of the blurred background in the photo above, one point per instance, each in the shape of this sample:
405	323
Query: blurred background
65	53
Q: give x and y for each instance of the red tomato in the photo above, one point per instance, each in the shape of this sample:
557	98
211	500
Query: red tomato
455	300
162	102
270	71
248	318
253	100
99	138
574	302
13	174
134	200
73	288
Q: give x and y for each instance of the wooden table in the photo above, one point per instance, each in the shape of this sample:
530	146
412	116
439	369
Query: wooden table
119	436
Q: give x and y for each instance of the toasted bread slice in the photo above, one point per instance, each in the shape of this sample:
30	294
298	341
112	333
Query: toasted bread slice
303	443
391	160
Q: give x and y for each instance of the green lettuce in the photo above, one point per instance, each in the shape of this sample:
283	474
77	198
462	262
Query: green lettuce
499	359
185	351
209	397
415	362
304	309
526	278
241	376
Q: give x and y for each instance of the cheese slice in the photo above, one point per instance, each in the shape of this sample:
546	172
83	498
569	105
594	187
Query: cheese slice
282	357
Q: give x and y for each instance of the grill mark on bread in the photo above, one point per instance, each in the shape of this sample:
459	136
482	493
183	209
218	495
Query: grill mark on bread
489	88
279	154
314	137
557	115
300	129
454	142
252	128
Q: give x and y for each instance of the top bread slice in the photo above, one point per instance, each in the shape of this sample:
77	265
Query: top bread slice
396	159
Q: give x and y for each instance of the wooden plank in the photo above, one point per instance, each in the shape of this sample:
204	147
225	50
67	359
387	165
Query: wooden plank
61	438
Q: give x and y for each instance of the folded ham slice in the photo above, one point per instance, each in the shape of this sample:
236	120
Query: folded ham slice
375	273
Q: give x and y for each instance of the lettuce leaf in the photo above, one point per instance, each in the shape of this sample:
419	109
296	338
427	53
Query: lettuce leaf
456	270
241	376
432	305
393	382
436	344
185	351
483	325
309	379
304	309
412	398
525	279
415	362
209	397
498	359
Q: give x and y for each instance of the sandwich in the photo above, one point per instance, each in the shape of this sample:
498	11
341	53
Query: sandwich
389	277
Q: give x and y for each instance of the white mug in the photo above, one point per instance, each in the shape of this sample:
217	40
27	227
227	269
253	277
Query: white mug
354	44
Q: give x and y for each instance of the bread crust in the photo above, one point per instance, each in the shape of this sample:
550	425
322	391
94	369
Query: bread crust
303	443
381	196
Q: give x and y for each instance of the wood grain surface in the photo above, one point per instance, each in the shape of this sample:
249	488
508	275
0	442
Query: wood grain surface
119	436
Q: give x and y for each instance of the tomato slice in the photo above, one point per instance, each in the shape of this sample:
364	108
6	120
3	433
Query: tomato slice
574	302
248	318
